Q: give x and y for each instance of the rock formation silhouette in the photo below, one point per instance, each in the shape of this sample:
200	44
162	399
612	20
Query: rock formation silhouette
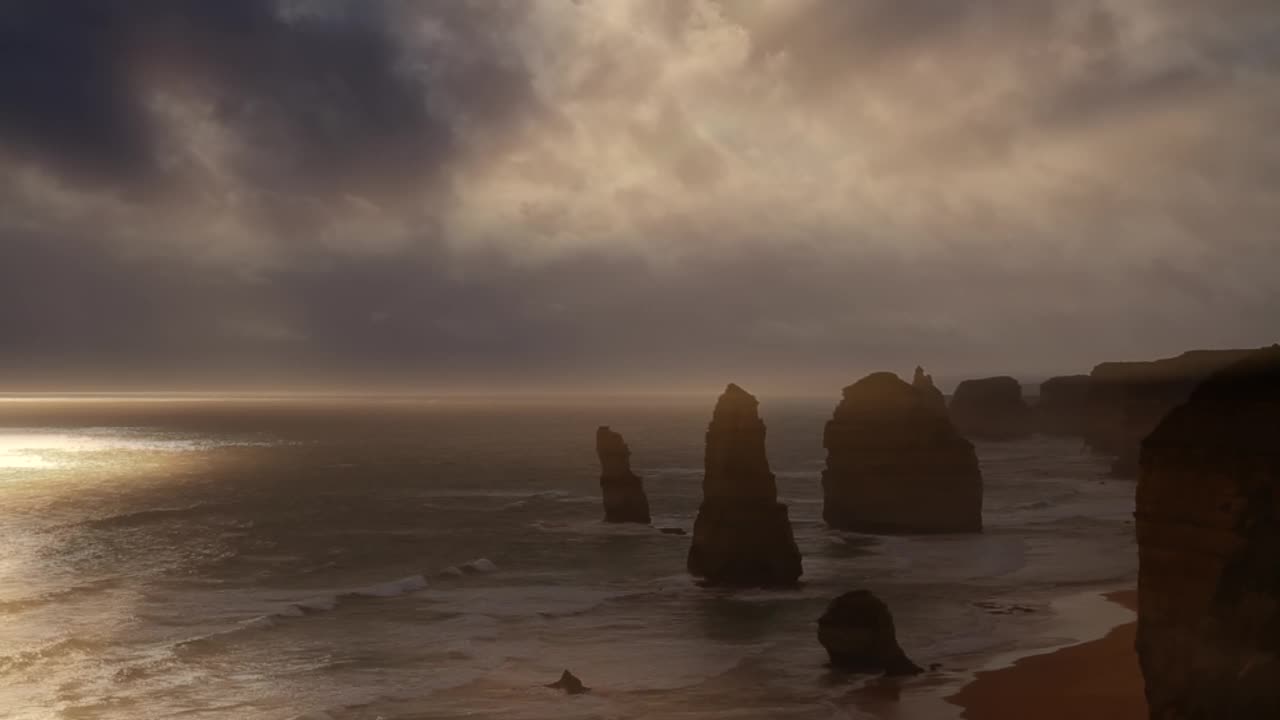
742	535
1130	398
896	464
623	491
570	684
858	634
991	409
1208	522
924	383
1065	406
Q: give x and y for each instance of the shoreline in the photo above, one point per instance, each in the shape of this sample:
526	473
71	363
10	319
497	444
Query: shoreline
1099	679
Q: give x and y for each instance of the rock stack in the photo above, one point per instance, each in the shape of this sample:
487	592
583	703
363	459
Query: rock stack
896	464
623	491
858	634
991	409
1208	521
742	535
924	383
1065	405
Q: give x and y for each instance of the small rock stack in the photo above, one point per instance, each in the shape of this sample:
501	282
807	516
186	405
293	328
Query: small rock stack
623	491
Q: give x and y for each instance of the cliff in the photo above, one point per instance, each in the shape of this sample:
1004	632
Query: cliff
1130	398
991	409
896	464
623	491
742	535
1208	522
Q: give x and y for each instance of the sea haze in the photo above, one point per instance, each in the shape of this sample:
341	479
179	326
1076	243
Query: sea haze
353	558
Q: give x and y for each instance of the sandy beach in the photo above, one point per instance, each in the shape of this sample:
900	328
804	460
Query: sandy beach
1099	680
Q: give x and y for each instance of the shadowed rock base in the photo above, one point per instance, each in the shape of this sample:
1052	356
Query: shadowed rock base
744	544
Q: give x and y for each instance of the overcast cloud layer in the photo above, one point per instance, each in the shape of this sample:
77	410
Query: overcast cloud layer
631	192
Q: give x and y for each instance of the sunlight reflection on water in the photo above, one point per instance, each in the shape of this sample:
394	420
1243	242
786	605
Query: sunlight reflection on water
44	450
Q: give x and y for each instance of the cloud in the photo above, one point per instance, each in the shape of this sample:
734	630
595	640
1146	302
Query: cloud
641	188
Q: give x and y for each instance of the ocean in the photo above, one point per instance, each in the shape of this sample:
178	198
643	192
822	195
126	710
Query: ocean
360	558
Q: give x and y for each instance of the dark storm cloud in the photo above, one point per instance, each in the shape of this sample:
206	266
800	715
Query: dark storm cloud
321	92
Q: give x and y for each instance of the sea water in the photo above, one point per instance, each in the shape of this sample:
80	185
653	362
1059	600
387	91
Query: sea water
350	558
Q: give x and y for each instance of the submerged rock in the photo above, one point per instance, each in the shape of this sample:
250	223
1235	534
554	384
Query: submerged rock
742	535
1208	522
858	634
623	491
896	464
570	684
991	409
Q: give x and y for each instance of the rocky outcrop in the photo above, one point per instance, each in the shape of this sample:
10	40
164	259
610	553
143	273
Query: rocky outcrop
858	634
1065	405
570	684
924	383
896	464
1208	522
991	409
1130	398
623	491
742	535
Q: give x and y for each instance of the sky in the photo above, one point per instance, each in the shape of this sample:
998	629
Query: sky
636	194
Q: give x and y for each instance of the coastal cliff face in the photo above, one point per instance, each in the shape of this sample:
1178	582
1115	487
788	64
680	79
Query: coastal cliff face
742	535
991	409
1208	521
1130	398
896	464
1065	406
623	491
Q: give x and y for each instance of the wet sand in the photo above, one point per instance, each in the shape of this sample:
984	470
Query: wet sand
1099	680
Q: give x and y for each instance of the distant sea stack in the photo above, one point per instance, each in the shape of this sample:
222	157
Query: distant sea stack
1065	406
742	536
623	491
858	634
1131	398
924	383
991	409
896	464
1208	521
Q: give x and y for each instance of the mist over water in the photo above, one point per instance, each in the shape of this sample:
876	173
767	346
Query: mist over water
358	559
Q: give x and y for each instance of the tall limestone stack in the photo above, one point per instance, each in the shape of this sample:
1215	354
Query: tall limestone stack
624	498
896	464
1208	520
742	536
991	409
924	383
